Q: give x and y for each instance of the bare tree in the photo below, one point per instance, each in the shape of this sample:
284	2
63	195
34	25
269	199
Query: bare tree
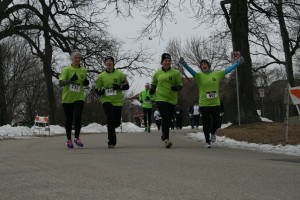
236	16
285	14
4	119
36	21
18	69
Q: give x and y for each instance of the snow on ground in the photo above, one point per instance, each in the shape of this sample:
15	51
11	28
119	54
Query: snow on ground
227	142
8	131
94	128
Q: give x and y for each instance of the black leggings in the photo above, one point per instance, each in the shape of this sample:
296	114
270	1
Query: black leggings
77	108
158	123
210	119
113	117
167	112
196	120
147	115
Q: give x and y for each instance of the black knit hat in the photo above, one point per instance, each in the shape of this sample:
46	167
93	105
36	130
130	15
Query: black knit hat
204	61
109	58
165	56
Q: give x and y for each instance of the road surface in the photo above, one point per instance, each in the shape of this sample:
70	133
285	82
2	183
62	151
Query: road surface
141	168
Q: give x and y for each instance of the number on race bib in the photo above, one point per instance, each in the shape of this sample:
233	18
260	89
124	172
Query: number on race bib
74	88
110	92
211	95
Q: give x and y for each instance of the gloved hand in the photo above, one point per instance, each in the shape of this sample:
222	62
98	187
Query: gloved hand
116	87
124	86
176	87
141	101
100	91
181	60
147	98
152	91
86	82
241	60
74	77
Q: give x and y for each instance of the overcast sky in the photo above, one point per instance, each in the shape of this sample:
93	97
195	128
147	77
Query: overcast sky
127	29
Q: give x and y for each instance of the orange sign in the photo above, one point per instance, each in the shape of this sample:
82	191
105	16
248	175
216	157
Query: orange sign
295	95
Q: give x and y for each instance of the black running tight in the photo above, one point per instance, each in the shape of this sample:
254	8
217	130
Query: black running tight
166	111
210	119
77	109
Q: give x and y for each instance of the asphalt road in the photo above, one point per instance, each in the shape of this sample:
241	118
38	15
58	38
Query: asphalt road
141	168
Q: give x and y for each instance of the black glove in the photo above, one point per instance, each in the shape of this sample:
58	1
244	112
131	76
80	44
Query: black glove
176	87
147	98
141	101
116	87
242	61
100	91
121	87
181	60
125	86
86	82
152	91
74	77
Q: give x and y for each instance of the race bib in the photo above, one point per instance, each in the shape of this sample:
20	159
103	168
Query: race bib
74	88
177	112
147	101
110	92
211	95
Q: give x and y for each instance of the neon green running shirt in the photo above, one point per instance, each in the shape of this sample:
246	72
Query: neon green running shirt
164	80
74	91
208	87
146	103
106	80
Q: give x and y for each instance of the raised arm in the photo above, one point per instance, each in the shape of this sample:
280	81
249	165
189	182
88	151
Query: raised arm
188	68
234	66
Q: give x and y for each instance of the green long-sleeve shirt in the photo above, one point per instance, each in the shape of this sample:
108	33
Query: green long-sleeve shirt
146	103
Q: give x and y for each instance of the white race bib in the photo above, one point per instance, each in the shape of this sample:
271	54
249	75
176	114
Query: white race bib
147	101
74	88
110	92
211	95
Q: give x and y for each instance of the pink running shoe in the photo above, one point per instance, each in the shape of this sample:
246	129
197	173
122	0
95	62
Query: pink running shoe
78	142
69	144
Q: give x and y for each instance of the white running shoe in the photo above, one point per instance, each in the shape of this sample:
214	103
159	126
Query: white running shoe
207	145
213	137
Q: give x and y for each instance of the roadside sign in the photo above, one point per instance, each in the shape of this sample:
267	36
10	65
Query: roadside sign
295	95
235	55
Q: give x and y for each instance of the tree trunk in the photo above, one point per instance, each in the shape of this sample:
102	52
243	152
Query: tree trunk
285	43
47	59
240	42
4	119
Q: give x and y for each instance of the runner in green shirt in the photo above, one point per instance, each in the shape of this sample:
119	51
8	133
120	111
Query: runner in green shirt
208	83
109	86
166	82
73	78
146	100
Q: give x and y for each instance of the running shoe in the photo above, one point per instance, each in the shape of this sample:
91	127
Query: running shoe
69	144
78	142
213	137
207	145
168	143
111	146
